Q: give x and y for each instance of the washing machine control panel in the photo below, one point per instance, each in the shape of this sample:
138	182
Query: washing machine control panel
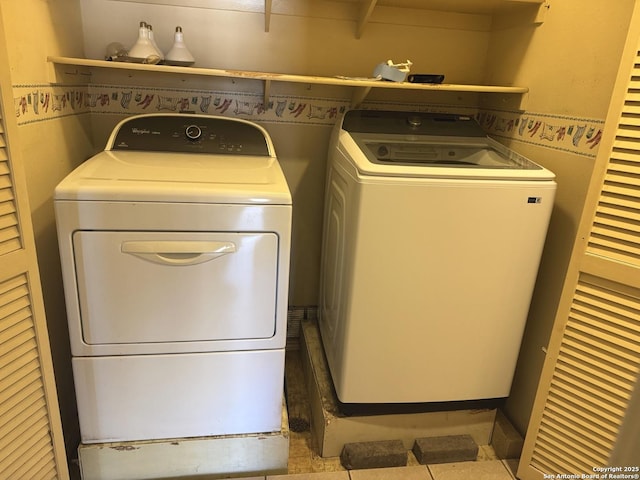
189	134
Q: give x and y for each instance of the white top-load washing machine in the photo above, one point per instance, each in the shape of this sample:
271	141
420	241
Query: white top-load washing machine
174	244
433	234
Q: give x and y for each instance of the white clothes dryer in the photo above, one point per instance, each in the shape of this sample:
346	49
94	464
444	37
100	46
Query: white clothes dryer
175	244
433	234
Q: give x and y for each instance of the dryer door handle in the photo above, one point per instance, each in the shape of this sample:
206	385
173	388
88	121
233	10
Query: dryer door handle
177	253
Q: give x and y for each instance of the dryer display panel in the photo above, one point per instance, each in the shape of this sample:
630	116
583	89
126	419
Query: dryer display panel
156	287
190	134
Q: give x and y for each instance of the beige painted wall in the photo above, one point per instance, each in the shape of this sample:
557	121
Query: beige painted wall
569	63
50	150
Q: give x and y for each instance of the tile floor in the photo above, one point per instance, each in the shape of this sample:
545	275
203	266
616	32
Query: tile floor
305	464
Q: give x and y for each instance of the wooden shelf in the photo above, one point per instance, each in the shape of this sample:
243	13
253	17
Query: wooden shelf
362	87
366	8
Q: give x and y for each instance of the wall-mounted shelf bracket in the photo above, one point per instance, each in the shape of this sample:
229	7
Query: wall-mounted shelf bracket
267	15
366	9
267	92
359	94
542	12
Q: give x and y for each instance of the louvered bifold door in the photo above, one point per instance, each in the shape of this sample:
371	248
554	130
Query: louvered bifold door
31	446
593	359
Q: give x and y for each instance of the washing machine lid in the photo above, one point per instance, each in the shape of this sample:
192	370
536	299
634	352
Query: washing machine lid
176	177
414	144
181	158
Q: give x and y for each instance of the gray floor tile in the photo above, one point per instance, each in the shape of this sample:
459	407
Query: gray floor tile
419	472
485	452
311	476
487	470
512	466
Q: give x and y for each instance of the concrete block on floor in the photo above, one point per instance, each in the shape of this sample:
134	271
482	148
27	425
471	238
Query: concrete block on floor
505	439
448	449
385	453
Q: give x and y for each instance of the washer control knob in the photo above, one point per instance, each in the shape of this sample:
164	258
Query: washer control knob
193	132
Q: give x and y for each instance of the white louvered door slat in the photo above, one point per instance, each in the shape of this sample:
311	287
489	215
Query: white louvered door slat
616	202
628	132
31	444
631	109
9	234
593	359
616	221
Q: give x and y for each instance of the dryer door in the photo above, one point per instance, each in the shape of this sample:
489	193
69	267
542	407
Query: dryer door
157	287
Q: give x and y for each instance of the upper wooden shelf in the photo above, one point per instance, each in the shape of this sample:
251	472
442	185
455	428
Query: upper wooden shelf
362	87
367	8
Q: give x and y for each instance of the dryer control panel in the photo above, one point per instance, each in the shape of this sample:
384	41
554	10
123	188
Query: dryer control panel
190	134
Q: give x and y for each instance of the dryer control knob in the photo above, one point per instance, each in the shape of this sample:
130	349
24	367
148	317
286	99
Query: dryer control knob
193	132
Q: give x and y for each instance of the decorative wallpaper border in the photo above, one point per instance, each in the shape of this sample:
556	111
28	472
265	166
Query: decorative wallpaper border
43	102
569	134
280	109
40	102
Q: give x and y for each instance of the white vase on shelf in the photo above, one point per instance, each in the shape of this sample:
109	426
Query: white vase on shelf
153	42
144	50
179	53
